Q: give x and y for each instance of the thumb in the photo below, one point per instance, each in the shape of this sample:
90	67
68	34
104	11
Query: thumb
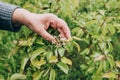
42	32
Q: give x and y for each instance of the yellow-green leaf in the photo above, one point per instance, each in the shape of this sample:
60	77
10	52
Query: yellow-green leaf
109	75
77	45
76	38
38	63
36	53
117	64
17	76
66	60
84	52
52	74
53	59
74	3
23	42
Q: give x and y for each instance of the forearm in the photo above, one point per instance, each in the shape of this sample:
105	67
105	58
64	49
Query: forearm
12	15
6	14
20	16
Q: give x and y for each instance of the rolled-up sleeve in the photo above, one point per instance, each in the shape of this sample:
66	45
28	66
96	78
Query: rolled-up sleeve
6	12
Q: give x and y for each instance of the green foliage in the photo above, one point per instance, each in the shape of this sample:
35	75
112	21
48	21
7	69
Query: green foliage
92	54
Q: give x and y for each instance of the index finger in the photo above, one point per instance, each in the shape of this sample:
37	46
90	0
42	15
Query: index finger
64	29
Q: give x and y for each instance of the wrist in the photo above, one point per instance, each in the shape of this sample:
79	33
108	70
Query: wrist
20	17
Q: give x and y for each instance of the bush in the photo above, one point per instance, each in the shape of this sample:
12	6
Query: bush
92	54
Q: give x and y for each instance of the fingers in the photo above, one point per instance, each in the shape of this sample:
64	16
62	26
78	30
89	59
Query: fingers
42	32
61	33
40	24
59	25
53	24
63	28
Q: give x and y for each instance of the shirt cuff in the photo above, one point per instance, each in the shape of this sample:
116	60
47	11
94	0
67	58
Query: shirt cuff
6	13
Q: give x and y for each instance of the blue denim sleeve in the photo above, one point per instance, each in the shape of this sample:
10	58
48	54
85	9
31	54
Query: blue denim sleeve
6	12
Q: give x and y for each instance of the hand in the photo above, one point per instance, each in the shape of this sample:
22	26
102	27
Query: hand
39	23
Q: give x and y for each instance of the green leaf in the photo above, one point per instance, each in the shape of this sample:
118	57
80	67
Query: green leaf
46	73
12	53
66	60
83	67
111	29
56	52
111	62
106	65
63	67
23	63
36	53
100	68
37	63
74	3
99	71
102	12
2	77
49	54
104	30
61	51
52	74
91	22
68	6
37	75
90	70
78	32
18	76
102	45
110	46
85	52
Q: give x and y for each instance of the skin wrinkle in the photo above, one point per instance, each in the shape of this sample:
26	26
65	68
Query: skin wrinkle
52	23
